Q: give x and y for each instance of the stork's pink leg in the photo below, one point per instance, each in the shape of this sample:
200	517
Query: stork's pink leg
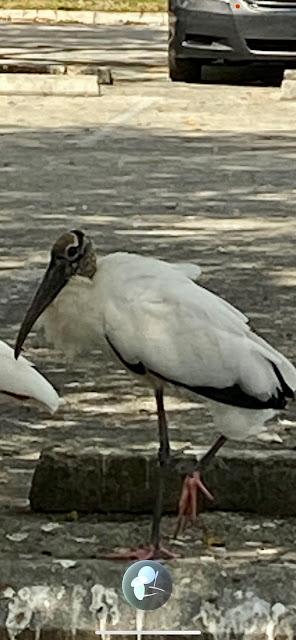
193	489
190	499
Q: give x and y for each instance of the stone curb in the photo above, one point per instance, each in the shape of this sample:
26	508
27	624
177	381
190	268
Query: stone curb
48	85
288	86
157	19
27	67
208	594
290	74
85	479
288	90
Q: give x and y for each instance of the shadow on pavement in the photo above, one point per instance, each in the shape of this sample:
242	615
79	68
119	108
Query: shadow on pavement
266	75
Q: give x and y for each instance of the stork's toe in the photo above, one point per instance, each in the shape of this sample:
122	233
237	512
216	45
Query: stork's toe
150	552
190	500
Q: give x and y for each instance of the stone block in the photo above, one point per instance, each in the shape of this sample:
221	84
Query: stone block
24	67
75	477
58	85
103	74
288	90
290	74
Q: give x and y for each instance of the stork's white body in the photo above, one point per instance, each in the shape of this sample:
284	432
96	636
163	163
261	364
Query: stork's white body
154	315
20	381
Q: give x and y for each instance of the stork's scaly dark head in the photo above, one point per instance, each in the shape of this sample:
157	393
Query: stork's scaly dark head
72	254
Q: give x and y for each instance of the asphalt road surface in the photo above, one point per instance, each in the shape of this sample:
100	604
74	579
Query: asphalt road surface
131	50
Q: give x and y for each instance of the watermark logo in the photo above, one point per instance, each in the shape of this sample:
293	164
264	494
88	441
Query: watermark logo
147	585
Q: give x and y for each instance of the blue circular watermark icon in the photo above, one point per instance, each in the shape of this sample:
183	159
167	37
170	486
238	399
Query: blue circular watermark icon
147	585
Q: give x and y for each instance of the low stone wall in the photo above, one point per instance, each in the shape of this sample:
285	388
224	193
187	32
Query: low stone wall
85	478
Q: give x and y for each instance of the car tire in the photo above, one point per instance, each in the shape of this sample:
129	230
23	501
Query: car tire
184	70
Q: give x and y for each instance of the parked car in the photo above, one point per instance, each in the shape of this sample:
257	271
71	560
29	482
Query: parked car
205	31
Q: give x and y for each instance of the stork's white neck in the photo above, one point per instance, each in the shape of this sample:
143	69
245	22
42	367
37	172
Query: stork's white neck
73	323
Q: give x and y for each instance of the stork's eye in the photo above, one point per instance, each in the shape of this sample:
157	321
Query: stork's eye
72	252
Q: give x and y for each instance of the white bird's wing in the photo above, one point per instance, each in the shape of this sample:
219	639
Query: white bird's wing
190	270
184	334
19	379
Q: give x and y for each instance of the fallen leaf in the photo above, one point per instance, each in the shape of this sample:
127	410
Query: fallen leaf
8	593
179	543
72	516
268	552
66	564
50	526
17	537
83	540
212	541
269	437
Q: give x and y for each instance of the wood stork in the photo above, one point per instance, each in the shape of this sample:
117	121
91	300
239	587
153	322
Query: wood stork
162	327
20	381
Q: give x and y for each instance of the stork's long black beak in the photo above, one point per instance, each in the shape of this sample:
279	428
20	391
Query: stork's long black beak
56	276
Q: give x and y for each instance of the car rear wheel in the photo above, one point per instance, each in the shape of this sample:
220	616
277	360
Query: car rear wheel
188	70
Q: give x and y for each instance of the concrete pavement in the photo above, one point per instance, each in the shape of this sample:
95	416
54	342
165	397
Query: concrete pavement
240	584
155	19
133	52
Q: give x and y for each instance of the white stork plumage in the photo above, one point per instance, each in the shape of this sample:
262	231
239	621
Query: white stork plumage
161	326
19	380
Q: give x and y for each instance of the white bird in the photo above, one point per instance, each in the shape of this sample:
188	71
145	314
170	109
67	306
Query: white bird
166	329
20	381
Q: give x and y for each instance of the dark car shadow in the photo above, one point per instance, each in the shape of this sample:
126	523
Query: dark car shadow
244	74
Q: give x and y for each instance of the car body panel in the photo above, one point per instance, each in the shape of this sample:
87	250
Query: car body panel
234	31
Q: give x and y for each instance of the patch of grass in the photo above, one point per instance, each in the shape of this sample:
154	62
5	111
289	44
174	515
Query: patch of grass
87	5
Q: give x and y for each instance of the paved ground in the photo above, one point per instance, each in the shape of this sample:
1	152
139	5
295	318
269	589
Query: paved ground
203	173
131	50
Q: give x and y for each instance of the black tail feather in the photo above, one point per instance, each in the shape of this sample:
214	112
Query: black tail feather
233	395
287	391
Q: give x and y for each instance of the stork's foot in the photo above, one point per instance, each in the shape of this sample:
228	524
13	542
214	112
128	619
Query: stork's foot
179	452
150	552
190	501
